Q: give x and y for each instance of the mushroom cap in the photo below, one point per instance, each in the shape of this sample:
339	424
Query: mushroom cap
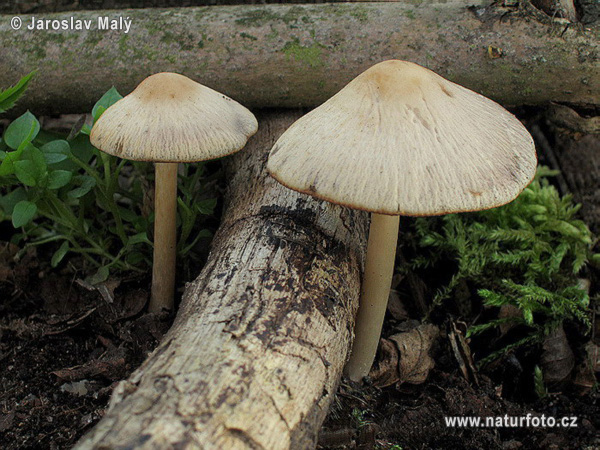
400	139
170	118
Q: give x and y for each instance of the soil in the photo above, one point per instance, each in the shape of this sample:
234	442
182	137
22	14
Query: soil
413	417
64	345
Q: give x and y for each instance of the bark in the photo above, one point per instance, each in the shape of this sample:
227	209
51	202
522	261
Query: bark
258	346
578	159
300	55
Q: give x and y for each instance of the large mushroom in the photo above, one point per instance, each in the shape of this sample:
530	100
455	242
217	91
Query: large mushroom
169	119
401	140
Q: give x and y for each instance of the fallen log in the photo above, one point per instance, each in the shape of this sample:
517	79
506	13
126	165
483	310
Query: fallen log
257	349
300	55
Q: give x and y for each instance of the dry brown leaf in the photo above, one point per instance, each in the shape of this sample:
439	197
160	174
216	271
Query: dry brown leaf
462	352
557	360
505	312
584	377
413	347
396	307
386	372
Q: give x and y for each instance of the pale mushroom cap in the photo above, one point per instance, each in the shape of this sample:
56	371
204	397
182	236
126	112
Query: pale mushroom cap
400	139
170	118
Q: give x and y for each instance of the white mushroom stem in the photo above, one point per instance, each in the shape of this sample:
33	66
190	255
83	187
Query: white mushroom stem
165	237
377	280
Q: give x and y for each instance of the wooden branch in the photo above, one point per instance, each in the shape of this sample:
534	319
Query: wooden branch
300	55
258	346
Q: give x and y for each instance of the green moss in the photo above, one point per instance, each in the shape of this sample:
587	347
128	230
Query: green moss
38	49
184	41
360	13
310	55
123	47
263	16
167	37
295	14
59	38
256	17
93	38
248	36
274	34
410	14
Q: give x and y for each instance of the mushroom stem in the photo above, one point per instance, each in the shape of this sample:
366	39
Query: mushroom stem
165	238
377	279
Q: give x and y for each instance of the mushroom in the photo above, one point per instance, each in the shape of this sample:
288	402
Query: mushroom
169	119
401	140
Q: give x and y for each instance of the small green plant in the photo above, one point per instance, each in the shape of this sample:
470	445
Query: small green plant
526	254
538	383
359	416
61	190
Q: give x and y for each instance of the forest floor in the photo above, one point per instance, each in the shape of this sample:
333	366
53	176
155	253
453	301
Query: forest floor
64	345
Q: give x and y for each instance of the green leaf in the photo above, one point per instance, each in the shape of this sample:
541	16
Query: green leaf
22	130
87	184
207	206
59	254
23	213
106	101
31	169
8	97
82	149
85	129
54	158
59	178
100	276
7	165
8	201
138	238
59	146
26	172
134	258
128	215
8	162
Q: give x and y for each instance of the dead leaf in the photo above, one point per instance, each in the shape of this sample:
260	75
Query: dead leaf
508	311
593	354
566	117
584	374
557	360
110	366
495	52
395	306
414	361
386	371
61	325
462	352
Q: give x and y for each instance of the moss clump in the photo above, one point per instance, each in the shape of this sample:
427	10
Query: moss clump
309	55
257	17
248	36
527	254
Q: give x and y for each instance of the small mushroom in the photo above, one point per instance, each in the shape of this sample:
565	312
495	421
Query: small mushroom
169	119
401	140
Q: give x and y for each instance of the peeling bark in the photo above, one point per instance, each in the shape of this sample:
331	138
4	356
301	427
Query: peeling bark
256	352
299	55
